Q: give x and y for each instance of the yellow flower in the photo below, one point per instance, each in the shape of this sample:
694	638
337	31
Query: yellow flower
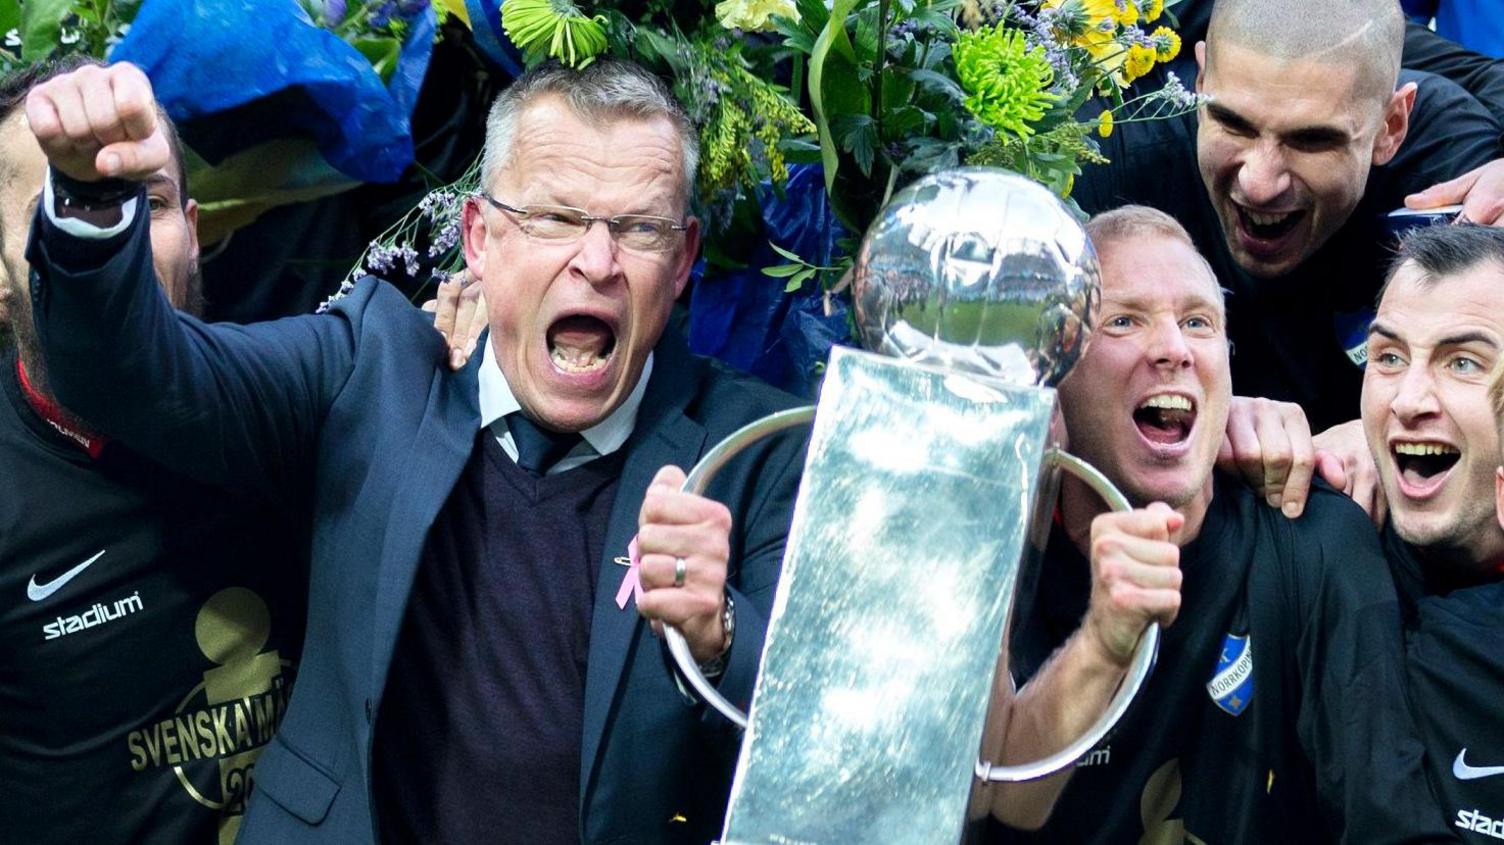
1166	43
1153	10
1104	123
1140	61
1086	21
1127	12
753	15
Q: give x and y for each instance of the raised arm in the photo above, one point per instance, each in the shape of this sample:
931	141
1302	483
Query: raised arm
233	406
1135	580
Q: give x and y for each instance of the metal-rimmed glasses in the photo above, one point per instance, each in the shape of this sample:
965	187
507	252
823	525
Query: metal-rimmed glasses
563	224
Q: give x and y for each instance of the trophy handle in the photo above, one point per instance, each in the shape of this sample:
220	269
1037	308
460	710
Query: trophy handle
696	482
1138	668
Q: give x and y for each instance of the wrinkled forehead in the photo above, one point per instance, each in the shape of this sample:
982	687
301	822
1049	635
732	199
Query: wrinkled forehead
551	141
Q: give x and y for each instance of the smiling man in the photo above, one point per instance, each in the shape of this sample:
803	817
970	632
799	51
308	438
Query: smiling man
1432	402
1310	135
1276	710
489	545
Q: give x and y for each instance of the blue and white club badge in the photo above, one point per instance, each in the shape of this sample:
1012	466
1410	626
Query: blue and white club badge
1231	688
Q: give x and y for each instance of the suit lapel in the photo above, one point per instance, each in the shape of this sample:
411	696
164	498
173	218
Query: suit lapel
424	480
662	435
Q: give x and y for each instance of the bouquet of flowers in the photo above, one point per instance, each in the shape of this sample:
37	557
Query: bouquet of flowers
41	29
883	90
875	92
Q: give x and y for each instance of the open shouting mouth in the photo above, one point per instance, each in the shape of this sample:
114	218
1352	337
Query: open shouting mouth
1423	466
581	344
1268	227
1165	419
1267	235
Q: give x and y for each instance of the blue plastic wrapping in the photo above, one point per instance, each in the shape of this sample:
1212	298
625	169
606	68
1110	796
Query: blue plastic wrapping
746	319
485	25
263	70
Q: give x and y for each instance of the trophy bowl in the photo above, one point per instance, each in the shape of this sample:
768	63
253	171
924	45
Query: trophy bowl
977	270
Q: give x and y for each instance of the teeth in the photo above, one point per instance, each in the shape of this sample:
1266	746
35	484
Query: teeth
1169	401
1422	449
576	361
1265	219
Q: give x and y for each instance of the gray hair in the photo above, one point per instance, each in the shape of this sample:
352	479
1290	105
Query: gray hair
606	89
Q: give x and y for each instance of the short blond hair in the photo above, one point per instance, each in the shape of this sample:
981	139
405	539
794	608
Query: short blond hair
1128	220
1140	221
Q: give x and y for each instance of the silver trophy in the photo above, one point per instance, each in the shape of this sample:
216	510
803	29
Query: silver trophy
974	290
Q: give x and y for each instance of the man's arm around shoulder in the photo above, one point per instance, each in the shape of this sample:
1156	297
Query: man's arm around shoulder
228	405
1353	719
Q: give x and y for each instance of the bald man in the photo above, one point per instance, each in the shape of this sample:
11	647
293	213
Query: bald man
1311	135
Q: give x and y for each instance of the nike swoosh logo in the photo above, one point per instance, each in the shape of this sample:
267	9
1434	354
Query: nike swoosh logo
37	592
1463	771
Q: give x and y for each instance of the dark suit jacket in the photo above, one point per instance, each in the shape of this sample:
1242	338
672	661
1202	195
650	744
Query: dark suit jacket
356	412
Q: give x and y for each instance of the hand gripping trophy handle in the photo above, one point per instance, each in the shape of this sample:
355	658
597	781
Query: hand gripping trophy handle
1138	669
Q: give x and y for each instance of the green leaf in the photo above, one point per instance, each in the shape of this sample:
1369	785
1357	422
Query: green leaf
900	123
939	83
796	39
867	38
382	53
937	55
785	253
931	154
857	134
812	15
832	70
42	27
10	16
799	151
664	49
797	281
782	271
939	21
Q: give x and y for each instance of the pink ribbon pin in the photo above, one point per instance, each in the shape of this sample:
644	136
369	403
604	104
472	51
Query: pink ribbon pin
631	583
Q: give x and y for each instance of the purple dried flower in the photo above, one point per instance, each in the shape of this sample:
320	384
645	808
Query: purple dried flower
445	239
379	258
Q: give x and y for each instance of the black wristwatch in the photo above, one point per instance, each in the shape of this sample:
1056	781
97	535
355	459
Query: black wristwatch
98	203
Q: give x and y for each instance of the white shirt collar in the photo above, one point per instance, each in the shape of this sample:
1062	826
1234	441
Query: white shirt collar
605	437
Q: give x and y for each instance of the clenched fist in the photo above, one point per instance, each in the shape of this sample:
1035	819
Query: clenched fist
99	123
1135	564
674	526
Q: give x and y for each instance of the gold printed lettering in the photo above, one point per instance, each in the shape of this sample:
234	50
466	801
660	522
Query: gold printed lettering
138	753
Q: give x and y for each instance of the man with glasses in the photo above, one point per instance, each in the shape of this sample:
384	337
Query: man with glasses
489	545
